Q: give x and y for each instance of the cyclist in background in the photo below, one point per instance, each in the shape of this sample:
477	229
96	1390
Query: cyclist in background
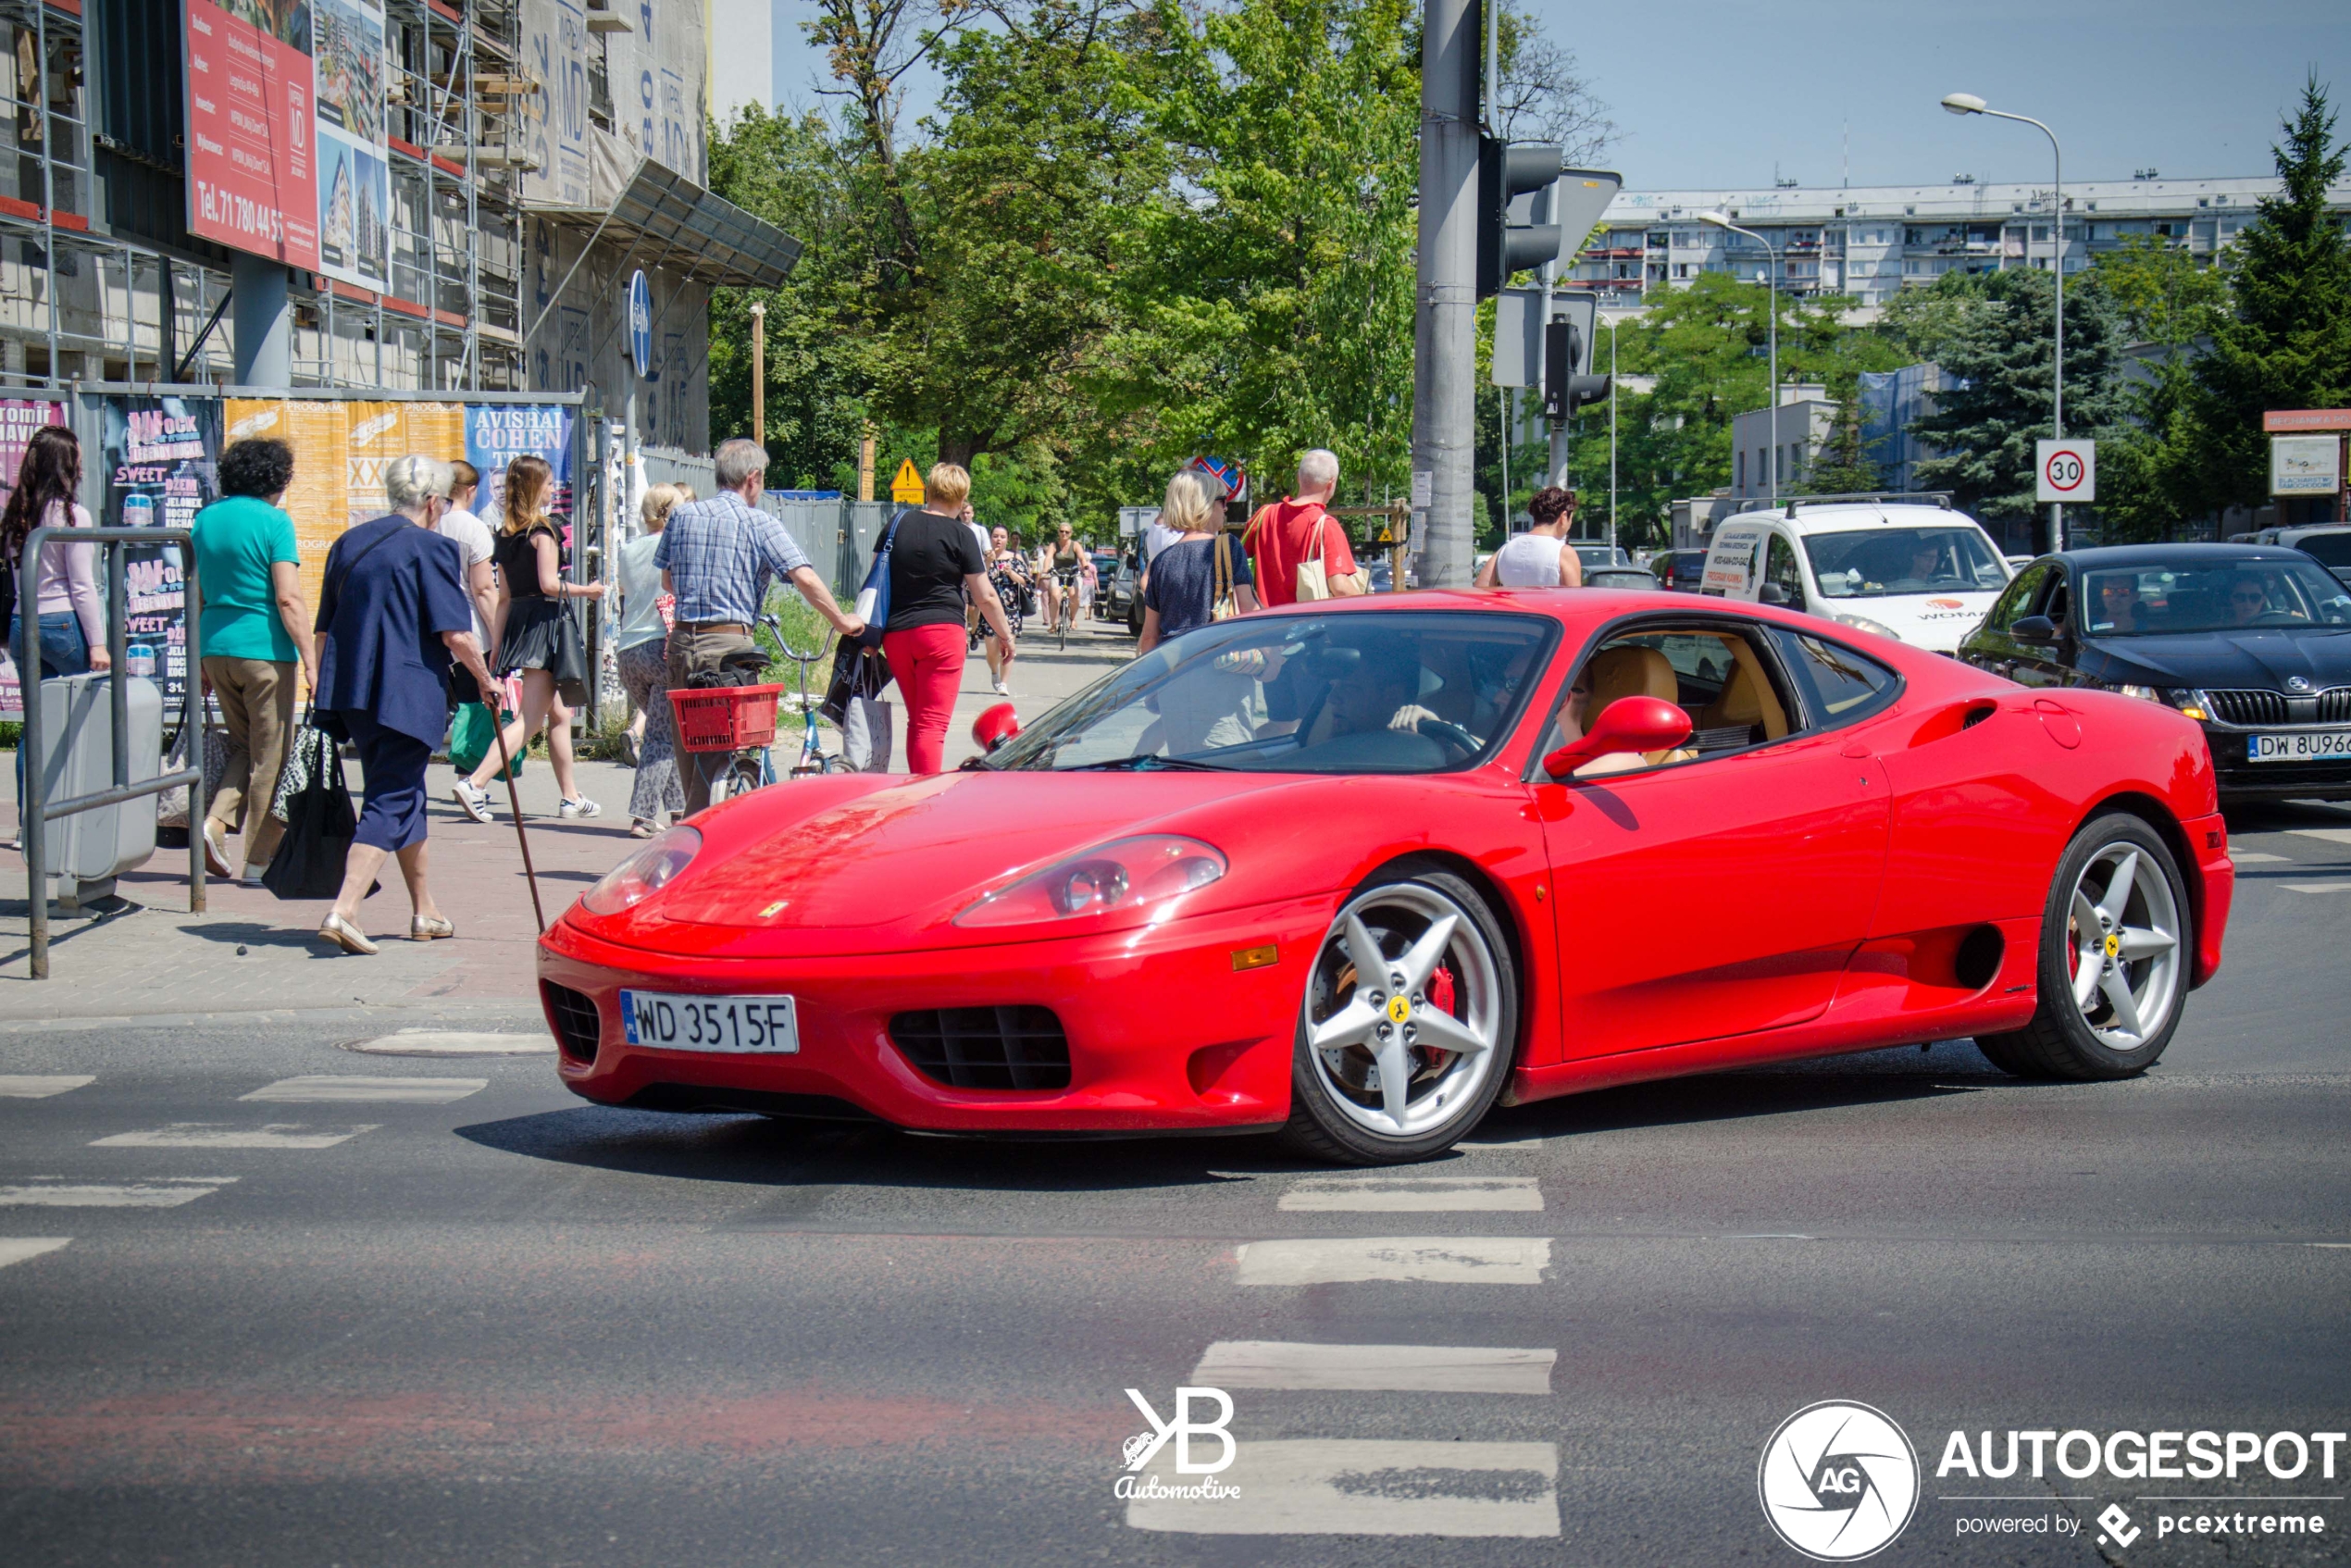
1064	560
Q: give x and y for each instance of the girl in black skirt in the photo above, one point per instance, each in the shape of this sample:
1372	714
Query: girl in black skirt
537	637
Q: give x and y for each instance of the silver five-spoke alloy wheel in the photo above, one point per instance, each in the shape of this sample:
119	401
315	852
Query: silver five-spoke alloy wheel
1404	1013
2124	929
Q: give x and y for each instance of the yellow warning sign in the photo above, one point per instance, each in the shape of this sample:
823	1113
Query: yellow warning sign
906	488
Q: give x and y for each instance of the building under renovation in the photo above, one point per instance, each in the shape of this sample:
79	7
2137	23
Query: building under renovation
488	174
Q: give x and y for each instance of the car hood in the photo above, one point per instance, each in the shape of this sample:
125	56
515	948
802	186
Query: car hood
875	872
1934	621
2254	660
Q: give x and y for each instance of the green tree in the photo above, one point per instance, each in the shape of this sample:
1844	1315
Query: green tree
2285	343
1999	348
1844	465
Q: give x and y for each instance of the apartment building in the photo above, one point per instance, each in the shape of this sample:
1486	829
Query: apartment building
1870	242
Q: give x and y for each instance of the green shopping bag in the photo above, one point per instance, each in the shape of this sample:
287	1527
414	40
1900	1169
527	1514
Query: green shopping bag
474	738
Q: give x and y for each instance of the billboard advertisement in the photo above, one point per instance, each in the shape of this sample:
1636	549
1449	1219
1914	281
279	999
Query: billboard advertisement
20	417
160	459
354	181
497	433
251	135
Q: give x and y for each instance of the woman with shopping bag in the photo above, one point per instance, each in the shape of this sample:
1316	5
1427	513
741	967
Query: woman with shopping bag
393	616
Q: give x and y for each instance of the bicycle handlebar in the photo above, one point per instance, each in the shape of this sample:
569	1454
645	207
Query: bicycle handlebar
776	626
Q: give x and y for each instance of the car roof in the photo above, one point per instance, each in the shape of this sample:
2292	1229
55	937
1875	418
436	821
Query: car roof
2109	555
2286	536
1847	516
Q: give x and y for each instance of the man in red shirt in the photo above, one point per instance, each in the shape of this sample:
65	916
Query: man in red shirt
1286	532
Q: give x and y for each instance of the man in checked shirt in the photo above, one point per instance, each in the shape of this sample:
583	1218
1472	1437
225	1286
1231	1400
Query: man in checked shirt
717	557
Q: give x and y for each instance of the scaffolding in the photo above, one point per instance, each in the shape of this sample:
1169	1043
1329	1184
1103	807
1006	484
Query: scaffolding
99	282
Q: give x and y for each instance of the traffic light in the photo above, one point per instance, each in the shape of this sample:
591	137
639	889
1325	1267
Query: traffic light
1568	382
1505	170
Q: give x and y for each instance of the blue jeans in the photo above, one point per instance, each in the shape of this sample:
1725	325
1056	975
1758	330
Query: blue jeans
63	652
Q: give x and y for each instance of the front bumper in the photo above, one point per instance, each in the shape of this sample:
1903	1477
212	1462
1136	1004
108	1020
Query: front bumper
2240	780
1164	1034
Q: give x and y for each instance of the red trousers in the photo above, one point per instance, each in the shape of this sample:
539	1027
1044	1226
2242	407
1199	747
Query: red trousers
928	663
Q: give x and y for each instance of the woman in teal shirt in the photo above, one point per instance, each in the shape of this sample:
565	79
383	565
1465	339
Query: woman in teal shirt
255	627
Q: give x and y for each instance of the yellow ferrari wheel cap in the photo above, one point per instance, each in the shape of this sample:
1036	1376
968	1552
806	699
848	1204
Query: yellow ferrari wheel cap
1399	1008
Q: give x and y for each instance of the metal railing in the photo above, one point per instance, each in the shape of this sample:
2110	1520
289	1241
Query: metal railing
34	813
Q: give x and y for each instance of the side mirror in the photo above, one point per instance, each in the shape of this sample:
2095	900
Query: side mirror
1629	724
994	726
1773	593
2034	629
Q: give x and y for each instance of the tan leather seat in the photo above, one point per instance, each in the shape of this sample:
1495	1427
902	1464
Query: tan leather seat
1747	700
1631	672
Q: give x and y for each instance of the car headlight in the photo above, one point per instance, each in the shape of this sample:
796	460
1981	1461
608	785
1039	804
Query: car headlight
1863	623
2144	693
643	874
1150	872
2189	701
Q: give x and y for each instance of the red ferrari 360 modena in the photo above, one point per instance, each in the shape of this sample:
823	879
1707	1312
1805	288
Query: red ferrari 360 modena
1360	870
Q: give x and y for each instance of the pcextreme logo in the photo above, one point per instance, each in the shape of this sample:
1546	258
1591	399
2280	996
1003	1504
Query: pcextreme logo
1838	1481
1138	1450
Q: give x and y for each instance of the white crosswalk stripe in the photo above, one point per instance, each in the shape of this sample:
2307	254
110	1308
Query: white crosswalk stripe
1355	1487
452	1043
2254	857
165	1192
1471	1260
331	1088
17	1249
210	1135
1444	1369
2324	835
1411	1194
2342	887
41	1086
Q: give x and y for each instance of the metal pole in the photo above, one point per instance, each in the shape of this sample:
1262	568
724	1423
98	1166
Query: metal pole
191	712
1611	438
1445	318
1964	103
759	373
32	829
1771	276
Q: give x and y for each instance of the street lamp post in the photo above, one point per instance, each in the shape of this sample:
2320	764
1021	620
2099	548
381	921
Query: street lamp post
1611	438
1970	104
1771	276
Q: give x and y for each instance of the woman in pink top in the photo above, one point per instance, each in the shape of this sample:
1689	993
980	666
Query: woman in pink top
63	595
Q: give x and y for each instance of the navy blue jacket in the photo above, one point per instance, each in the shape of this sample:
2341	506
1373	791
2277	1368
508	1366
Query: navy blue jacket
383	653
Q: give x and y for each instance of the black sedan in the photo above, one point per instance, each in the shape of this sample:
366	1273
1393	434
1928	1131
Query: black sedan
2252	641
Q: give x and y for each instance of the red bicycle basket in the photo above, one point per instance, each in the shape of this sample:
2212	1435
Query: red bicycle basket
725	718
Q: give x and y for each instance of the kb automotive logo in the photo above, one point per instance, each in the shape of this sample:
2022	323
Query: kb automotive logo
1838	1481
1138	1450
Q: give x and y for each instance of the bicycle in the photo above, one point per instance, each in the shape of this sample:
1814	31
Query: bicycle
1065	583
740	721
813	760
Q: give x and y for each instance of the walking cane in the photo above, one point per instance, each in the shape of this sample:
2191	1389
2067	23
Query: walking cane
513	802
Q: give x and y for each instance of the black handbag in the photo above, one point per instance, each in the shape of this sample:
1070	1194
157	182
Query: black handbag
320	822
858	671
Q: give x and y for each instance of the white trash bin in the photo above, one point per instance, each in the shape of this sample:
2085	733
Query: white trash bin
87	851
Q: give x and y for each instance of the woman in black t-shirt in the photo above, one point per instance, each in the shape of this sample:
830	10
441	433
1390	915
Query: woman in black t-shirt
934	561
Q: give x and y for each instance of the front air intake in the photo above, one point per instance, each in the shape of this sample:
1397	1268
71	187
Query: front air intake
573	1018
985	1046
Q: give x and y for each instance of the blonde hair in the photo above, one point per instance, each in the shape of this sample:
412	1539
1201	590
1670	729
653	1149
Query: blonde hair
660	501
1186	509
947	484
529	483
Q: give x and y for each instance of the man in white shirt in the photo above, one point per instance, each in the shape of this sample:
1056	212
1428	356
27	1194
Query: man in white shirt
472	537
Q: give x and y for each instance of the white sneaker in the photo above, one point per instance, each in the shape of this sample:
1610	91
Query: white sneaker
254	874
474	803
1002	690
581	808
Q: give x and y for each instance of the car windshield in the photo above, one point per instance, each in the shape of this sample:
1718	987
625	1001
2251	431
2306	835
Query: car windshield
2331	549
1878	563
1372	691
2223	595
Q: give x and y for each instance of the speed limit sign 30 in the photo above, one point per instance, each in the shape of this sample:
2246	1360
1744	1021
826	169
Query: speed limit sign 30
2066	470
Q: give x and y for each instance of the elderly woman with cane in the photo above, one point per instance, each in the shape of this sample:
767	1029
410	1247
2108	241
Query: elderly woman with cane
392	618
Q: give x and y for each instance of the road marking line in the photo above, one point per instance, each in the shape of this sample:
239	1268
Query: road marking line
1411	1194
41	1086
2332	1246
2342	887
1362	1487
210	1135
1449	1260
1444	1369
18	1248
168	1192
1514	1145
451	1042
2247	857
2324	835
326	1089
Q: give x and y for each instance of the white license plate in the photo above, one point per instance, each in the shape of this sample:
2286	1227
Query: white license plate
2324	745
747	1025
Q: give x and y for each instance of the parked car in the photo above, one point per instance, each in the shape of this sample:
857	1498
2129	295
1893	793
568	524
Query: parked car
2251	641
1597	555
1919	574
2327	544
1355	871
1118	594
1623	577
1679	571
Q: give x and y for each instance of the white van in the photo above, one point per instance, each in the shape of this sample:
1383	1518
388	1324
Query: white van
1911	569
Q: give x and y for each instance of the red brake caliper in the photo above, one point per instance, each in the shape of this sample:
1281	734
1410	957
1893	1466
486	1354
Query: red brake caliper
1440	990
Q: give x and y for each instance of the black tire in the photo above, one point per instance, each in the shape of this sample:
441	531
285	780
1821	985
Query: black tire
2061	1040
1319	1127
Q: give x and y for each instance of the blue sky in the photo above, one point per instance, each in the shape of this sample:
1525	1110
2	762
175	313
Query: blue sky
1719	92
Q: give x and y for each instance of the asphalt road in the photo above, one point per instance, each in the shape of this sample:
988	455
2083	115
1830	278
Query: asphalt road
481	1323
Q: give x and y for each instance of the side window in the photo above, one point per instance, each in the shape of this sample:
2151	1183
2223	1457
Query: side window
1780	570
1841	685
2010	607
1719	676
2058	604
